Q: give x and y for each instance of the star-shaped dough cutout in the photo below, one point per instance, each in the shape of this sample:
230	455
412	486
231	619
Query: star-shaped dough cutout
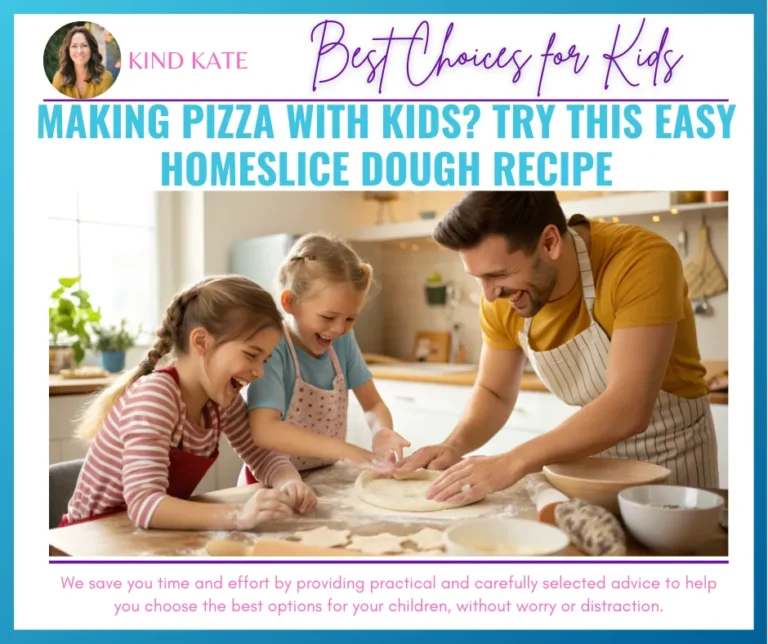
323	537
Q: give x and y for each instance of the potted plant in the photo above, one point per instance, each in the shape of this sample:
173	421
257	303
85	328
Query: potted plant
436	290
112	342
70	316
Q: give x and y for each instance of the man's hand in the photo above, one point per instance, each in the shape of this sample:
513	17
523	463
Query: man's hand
432	457
388	445
476	477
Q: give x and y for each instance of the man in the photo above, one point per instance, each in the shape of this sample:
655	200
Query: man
602	313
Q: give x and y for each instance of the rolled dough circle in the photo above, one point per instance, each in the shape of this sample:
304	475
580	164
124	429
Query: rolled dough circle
407	494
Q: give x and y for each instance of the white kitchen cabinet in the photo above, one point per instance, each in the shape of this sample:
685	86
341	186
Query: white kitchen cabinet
426	414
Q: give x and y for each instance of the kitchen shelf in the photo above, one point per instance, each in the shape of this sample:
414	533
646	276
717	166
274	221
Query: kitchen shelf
637	208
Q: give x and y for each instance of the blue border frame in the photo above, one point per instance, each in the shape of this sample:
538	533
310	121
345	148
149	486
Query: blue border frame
757	8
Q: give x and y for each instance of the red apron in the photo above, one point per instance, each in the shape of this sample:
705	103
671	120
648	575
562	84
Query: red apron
185	470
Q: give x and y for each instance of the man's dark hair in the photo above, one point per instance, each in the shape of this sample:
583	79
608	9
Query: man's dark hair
520	216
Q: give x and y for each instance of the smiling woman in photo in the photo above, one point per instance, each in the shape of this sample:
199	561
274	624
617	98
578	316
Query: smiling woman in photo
81	72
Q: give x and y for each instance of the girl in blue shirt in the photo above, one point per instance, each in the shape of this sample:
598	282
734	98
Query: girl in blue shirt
299	407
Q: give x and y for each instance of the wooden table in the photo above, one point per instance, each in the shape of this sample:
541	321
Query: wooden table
116	536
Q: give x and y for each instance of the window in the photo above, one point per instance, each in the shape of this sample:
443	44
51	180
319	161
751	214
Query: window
111	241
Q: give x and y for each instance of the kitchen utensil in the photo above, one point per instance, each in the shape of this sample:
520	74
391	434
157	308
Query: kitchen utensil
689	197
682	242
715	196
598	480
504	537
587	526
704	275
670	519
544	497
591	528
701	307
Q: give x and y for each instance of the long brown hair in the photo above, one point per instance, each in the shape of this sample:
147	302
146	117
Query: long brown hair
229	307
94	66
319	257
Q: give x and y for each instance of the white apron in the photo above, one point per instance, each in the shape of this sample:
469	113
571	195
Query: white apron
681	436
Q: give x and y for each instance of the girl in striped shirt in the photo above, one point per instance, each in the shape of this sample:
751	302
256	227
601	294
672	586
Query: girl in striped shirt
155	433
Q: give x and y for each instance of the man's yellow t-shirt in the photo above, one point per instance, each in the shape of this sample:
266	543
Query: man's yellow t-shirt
638	282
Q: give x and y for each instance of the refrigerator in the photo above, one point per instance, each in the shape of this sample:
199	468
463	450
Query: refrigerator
258	258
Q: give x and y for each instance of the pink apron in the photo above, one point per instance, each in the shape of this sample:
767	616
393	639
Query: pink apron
320	410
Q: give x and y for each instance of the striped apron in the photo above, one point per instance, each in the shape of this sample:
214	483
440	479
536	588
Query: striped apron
681	436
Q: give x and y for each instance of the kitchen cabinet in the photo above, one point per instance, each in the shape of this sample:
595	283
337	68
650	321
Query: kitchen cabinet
426	414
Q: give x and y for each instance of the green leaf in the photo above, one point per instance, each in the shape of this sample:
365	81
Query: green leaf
66	307
69	282
57	293
79	352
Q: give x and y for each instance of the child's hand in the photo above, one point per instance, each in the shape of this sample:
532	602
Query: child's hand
373	463
264	505
301	497
388	445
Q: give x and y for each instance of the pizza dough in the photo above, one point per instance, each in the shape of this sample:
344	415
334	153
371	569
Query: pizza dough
427	539
380	544
323	537
407	494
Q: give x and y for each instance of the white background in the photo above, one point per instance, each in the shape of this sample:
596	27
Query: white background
281	60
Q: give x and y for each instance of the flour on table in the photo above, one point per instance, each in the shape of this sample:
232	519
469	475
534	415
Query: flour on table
406	494
380	544
427	539
323	537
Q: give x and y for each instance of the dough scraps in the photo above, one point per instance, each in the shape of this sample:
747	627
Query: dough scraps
406	494
380	544
427	539
323	537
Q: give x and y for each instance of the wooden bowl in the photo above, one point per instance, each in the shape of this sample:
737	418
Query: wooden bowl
599	480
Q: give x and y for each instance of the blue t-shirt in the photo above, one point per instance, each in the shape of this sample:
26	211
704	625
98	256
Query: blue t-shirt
275	388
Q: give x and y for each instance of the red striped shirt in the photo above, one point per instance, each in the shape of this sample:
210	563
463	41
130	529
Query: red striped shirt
127	462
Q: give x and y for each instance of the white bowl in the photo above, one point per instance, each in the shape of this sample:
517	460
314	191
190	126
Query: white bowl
504	537
670	519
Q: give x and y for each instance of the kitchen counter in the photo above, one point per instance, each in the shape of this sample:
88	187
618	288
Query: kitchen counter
529	382
115	535
58	386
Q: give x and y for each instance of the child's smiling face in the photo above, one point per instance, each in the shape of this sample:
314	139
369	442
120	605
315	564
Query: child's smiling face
327	312
235	364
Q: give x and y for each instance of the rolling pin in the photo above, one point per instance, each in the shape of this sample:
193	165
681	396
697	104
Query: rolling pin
272	548
591	529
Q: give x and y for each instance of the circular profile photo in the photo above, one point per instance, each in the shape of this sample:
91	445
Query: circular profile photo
82	60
